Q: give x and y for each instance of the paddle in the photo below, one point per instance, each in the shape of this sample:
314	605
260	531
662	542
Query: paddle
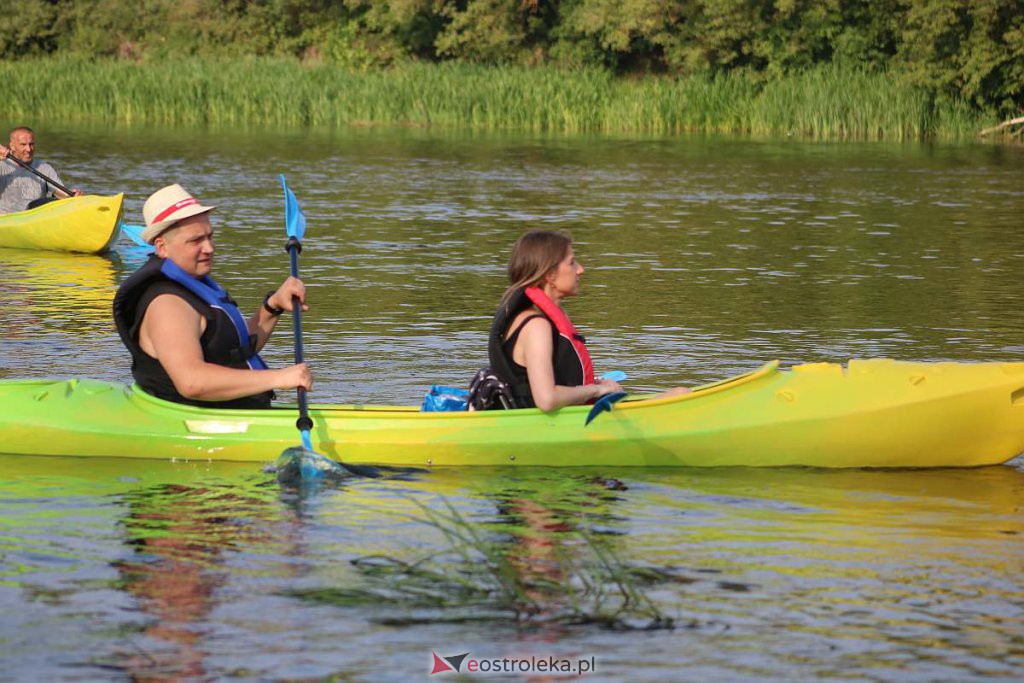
604	404
303	462
134	233
47	179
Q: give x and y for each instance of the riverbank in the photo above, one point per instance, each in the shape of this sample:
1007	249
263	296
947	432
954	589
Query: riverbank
827	102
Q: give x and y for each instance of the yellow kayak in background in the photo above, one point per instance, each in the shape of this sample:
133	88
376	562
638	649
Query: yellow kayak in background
88	224
868	413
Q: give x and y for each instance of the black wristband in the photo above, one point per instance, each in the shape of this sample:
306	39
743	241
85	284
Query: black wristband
276	312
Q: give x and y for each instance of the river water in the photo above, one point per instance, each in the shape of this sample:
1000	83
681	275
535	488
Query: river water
705	257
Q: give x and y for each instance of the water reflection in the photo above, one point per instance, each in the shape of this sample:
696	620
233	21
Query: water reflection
546	525
57	319
55	291
181	536
889	567
166	571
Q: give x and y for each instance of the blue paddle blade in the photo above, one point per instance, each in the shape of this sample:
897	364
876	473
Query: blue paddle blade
134	233
300	465
604	404
294	219
614	376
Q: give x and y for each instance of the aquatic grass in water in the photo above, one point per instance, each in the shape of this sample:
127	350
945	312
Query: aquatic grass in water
825	102
577	580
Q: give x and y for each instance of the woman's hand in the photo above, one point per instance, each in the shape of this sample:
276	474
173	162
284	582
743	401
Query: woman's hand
606	386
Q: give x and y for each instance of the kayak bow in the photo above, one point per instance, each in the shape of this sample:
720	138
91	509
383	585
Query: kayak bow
87	224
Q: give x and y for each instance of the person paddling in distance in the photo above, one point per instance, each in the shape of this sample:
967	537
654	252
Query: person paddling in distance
533	347
20	189
189	342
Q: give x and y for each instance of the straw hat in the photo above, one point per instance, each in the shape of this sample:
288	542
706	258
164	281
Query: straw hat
167	206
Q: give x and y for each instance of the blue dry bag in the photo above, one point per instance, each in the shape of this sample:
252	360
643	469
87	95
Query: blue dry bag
441	398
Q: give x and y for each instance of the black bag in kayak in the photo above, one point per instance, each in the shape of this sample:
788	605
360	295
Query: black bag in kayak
488	392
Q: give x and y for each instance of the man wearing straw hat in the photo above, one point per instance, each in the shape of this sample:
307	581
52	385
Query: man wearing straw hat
188	340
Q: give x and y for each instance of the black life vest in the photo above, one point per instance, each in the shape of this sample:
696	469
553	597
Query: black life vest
570	358
225	341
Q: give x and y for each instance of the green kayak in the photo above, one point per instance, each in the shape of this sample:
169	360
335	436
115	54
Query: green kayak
869	413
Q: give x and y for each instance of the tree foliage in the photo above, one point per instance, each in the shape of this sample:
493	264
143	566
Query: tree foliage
971	50
974	50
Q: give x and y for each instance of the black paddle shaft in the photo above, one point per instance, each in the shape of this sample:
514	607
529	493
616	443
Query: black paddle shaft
28	168
294	247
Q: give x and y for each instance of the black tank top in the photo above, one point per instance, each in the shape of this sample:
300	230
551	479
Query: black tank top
564	360
219	340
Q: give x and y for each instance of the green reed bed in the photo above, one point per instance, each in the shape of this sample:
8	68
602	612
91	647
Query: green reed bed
827	102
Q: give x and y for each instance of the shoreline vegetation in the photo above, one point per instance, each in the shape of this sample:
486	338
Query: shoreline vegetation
829	69
827	101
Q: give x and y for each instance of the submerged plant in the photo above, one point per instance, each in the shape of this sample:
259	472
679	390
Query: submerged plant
576	579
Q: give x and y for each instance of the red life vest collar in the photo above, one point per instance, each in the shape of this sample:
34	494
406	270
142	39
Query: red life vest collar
565	328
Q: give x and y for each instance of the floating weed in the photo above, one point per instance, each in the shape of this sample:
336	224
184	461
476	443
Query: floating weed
527	576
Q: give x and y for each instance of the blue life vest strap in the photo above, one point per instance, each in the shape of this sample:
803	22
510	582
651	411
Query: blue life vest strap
217	297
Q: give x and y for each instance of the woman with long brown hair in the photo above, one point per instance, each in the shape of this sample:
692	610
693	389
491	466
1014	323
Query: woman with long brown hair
533	346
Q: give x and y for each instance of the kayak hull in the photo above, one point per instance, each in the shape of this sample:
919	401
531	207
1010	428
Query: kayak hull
87	224
870	413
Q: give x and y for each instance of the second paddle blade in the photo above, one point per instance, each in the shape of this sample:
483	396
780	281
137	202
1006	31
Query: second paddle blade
603	404
298	465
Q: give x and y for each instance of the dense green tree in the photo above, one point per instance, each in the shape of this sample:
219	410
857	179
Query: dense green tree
700	36
972	50
30	28
496	31
365	33
623	34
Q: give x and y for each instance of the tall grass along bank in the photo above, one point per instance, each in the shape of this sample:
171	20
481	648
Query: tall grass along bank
826	102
